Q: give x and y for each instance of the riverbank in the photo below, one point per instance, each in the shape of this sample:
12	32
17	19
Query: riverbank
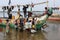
54	18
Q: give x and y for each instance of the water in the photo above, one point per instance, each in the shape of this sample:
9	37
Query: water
52	32
15	12
4	14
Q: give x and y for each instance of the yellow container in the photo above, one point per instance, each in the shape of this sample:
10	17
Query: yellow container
33	26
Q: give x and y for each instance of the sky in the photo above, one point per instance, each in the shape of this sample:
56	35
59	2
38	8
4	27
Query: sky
40	7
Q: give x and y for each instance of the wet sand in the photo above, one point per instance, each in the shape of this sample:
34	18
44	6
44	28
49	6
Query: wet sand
52	32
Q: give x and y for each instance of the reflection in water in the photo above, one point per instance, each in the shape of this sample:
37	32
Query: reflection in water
17	35
50	33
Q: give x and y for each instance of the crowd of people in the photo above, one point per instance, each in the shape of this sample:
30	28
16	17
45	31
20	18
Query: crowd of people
22	22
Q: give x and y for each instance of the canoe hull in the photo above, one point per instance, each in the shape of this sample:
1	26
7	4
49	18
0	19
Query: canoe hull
42	22
2	25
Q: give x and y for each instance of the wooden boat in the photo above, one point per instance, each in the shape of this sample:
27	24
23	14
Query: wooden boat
38	24
42	20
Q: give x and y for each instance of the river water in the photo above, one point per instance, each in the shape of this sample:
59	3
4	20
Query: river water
52	32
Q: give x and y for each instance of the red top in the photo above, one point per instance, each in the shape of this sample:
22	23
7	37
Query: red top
0	21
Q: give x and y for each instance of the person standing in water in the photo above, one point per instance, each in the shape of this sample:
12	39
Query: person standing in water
46	11
21	23
9	12
18	19
7	26
9	18
29	14
25	10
